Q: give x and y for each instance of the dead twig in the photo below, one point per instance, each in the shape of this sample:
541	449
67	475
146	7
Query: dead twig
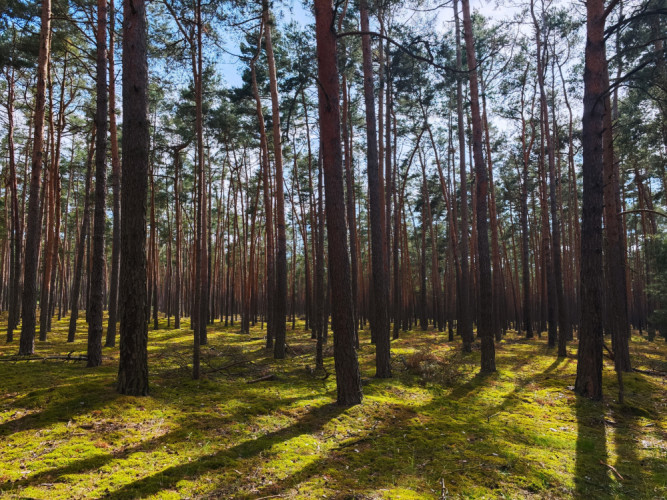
67	357
230	365
613	469
653	373
611	354
353	442
270	376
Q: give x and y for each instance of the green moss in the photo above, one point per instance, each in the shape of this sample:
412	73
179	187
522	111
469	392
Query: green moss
436	428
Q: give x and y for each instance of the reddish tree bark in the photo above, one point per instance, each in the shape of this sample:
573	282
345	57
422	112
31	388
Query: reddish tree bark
97	276
115	187
379	318
280	303
484	326
348	378
589	359
464	322
133	360
33	225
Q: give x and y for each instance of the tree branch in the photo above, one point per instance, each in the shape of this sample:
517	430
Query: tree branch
429	60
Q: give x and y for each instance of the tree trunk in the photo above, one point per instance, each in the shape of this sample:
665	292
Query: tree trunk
379	318
484	326
525	249
179	235
268	204
33	229
589	359
97	277
56	189
319	267
388	192
348	378
351	212
81	246
557	307
16	229
133	361
423	318
464	321
280	304
48	210
202	314
614	243
499	305
115	187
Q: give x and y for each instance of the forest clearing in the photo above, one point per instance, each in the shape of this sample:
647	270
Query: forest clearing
436	430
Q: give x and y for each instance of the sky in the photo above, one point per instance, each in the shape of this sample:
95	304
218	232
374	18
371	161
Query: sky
295	11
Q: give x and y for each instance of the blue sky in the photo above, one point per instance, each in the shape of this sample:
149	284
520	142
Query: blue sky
294	10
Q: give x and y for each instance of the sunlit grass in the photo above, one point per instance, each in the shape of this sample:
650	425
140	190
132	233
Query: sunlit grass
430	432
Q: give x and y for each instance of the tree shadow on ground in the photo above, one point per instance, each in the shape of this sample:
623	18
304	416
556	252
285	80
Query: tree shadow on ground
464	390
80	399
202	422
91	463
310	423
419	449
591	478
642	458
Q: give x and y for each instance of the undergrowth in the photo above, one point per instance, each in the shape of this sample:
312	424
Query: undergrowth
436	430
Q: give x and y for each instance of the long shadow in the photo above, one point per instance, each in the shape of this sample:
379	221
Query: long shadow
510	399
463	390
339	480
556	363
188	422
591	476
62	411
625	442
97	394
400	448
94	462
151	485
640	470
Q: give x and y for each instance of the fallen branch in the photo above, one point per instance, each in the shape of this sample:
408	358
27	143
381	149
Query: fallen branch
326	374
230	365
613	469
353	442
488	418
611	354
270	376
654	373
68	357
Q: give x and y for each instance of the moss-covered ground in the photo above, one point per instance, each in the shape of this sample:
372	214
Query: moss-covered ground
436	430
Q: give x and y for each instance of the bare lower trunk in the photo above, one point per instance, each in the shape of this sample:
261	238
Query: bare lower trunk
16	237
280	304
589	362
614	244
133	360
97	277
485	326
464	323
33	226
348	378
379	317
268	205
81	246
115	187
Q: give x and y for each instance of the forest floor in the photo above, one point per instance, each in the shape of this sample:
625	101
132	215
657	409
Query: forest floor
436	430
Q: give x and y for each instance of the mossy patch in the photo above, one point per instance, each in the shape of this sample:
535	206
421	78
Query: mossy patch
436	430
